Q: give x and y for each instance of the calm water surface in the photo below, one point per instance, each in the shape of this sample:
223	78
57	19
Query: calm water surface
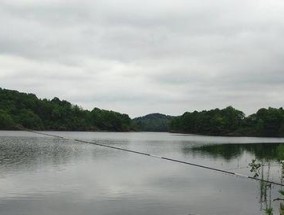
42	175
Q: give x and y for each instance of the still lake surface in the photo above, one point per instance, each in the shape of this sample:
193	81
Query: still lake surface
41	175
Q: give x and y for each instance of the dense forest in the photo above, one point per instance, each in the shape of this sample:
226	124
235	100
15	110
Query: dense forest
22	110
153	122
230	121
26	110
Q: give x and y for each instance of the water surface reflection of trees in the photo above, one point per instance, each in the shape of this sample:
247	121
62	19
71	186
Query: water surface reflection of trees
264	155
267	151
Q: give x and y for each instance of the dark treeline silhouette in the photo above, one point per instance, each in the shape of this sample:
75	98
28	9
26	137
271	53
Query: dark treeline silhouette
26	110
230	121
153	122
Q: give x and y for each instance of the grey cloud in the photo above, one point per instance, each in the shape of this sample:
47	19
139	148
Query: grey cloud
138	56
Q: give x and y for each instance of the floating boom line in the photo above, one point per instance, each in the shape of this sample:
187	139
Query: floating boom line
159	157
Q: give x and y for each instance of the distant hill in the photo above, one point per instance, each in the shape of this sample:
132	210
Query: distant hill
26	110
152	122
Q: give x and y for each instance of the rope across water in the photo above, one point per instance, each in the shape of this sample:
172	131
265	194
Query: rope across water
159	157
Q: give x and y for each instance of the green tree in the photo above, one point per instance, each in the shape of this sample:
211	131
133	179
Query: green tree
28	119
6	121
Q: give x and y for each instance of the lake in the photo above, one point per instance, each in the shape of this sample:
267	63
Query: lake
43	175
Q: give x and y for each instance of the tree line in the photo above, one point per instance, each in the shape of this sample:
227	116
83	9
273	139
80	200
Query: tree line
19	109
230	121
26	110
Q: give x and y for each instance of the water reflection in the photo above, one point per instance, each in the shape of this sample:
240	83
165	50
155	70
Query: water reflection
268	151
45	176
28	153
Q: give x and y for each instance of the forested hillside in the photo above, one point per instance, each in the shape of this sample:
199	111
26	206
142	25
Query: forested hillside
153	122
229	121
26	110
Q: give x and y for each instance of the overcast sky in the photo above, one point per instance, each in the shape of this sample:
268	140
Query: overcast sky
144	56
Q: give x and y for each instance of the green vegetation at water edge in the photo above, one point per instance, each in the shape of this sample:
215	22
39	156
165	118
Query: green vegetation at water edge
26	110
231	122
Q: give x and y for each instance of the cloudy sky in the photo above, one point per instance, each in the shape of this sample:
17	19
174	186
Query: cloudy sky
144	56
